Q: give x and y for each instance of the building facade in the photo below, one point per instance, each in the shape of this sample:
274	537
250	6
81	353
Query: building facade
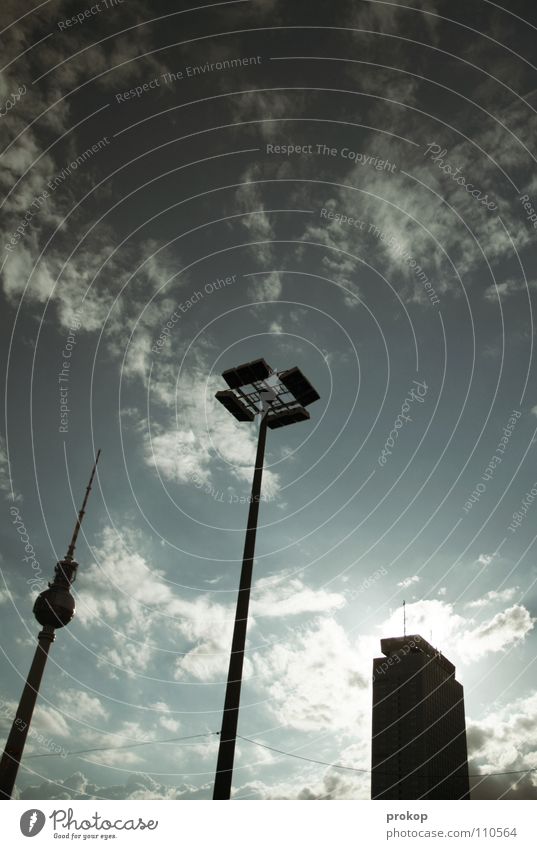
419	728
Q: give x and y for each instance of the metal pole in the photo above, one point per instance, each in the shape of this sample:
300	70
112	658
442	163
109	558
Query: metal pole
11	758
228	734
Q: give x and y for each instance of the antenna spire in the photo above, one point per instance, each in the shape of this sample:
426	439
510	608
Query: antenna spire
404	618
71	550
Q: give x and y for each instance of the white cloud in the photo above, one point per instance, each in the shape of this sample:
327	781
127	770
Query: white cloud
309	784
485	559
180	455
210	625
5	480
408	582
132	597
492	596
316	678
136	605
502	632
46	722
459	637
507	289
267	108
75	710
21	269
256	221
65	724
169	724
505	739
313	680
280	595
138	786
200	443
265	287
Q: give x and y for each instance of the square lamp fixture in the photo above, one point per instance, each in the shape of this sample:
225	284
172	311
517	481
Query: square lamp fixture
235	406
246	374
299	386
287	416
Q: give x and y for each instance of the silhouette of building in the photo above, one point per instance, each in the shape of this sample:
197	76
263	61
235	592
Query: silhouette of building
419	730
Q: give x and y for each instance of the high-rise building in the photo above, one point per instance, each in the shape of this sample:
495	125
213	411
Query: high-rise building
419	730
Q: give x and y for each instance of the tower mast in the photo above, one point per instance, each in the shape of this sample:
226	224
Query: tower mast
53	608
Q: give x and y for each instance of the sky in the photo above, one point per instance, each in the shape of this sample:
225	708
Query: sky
346	187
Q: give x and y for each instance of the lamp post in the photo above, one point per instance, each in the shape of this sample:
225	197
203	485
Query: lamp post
53	608
279	398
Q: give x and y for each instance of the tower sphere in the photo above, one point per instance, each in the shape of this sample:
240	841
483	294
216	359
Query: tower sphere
55	606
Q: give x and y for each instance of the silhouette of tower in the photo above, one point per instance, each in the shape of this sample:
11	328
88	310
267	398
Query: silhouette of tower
53	608
419	730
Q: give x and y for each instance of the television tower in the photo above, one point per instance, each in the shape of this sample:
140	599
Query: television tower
53	608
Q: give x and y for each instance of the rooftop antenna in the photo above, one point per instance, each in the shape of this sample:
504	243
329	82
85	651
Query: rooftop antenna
404	617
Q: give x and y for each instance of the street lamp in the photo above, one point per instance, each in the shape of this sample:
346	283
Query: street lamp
279	398
53	608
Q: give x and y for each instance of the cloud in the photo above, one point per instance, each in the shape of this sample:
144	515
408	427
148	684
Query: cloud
21	270
268	108
138	599
180	455
408	582
492	596
190	452
333	784
46	721
266	288
315	677
461	638
416	219
507	289
131	597
279	596
505	739
381	19
139	786
282	595
503	631
166	719
5	480
313	680
56	728
77	705
485	559
29	164
256	221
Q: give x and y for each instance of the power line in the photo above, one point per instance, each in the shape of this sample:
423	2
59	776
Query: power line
301	757
369	771
262	746
114	748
